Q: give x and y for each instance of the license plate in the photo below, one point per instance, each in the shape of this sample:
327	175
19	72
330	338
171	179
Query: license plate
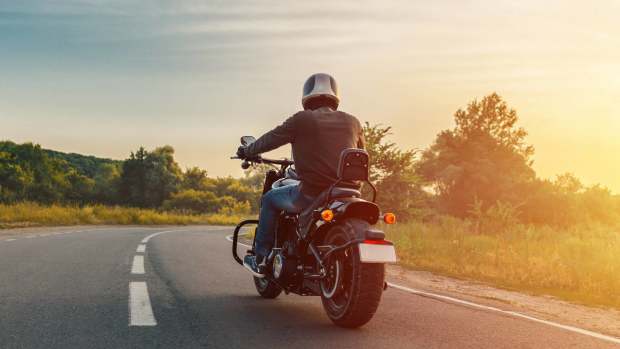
376	253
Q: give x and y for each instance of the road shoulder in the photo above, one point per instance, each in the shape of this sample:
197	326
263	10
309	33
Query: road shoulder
601	320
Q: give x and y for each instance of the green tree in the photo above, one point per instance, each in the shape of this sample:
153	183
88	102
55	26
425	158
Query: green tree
13	179
484	158
132	184
107	180
195	178
149	178
393	172
163	175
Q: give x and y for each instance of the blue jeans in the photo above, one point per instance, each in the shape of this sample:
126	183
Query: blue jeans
288	199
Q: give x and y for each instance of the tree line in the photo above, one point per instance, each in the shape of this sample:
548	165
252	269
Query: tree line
149	179
481	170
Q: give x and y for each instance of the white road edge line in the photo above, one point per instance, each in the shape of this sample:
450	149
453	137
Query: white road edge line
508	312
138	265
140	310
149	237
141	248
492	309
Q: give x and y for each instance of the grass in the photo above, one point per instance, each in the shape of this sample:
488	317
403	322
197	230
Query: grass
33	214
580	264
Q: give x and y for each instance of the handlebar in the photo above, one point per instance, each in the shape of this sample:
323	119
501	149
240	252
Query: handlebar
261	160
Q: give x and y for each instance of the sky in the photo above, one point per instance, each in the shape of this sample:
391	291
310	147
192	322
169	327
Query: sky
105	77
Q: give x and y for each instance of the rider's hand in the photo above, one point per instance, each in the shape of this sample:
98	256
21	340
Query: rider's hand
241	152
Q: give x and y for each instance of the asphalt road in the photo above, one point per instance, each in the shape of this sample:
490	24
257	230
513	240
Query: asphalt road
72	290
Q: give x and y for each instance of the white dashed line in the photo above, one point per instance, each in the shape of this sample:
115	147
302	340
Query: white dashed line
9	240
138	265
491	309
140	310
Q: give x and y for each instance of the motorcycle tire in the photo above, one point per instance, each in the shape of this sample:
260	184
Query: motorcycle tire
351	300
266	288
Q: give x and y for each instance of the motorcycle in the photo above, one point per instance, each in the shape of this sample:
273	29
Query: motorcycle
330	249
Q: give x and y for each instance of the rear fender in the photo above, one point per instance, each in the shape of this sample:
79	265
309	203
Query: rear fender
355	208
365	212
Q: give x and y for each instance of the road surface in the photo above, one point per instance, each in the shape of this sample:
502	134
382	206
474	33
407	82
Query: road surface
136	287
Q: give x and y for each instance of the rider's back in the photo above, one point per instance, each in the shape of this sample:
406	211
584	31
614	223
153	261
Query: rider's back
317	137
322	135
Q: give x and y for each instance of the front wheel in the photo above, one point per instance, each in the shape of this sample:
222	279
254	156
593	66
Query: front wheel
352	290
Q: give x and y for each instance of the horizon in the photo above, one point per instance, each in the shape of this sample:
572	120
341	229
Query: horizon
103	78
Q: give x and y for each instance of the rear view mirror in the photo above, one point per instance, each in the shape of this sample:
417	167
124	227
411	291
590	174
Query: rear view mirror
247	140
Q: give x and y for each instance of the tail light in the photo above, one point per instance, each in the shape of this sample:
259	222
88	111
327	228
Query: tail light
377	242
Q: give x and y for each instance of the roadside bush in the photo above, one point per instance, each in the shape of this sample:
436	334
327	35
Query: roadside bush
33	214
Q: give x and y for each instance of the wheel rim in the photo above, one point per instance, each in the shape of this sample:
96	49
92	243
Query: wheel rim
331	283
262	283
340	287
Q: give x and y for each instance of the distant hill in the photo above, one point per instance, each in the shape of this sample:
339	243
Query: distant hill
86	165
29	172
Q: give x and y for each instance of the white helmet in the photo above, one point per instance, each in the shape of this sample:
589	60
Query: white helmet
320	90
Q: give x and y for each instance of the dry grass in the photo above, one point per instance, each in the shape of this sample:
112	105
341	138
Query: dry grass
580	264
33	214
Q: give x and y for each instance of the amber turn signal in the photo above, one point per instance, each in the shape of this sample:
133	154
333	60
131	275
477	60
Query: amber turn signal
389	218
327	215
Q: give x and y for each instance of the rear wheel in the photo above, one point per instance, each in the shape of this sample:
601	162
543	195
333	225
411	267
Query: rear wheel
352	290
266	288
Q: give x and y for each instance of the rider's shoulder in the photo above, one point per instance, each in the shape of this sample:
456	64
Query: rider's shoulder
310	117
351	117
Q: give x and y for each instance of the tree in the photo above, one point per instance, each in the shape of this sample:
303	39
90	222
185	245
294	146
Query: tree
13	179
195	178
132	184
393	172
107	181
149	178
163	175
484	158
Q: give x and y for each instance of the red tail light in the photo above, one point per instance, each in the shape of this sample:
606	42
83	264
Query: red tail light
377	242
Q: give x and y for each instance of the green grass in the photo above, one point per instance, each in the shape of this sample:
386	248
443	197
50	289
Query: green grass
580	264
33	214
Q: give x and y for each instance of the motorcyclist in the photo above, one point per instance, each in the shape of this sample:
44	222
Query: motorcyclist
318	135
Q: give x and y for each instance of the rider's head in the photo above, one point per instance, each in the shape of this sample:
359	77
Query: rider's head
320	90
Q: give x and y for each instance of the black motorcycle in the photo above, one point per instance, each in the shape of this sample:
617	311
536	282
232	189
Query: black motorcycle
330	249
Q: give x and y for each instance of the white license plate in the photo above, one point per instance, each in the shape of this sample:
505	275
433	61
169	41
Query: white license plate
377	253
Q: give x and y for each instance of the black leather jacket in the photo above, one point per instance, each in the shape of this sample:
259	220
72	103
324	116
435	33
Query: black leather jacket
317	137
